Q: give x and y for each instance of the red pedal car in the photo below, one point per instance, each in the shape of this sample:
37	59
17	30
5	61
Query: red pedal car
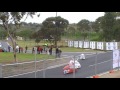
70	67
67	69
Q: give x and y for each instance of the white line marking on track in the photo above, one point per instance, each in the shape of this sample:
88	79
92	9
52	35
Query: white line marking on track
37	70
100	63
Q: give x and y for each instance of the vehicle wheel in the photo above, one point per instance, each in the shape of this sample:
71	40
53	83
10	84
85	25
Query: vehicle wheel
64	71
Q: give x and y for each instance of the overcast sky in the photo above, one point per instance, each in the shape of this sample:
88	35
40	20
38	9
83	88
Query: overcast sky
72	17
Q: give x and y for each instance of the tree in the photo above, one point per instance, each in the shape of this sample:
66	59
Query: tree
97	24
13	17
84	27
26	33
116	33
53	28
107	25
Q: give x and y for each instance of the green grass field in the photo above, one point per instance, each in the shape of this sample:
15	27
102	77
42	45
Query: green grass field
6	57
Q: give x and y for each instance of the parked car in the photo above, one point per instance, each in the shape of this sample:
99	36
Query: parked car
3	49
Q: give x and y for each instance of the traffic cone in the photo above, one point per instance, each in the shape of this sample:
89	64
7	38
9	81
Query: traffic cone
111	71
95	76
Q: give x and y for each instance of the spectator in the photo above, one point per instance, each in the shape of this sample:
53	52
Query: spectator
56	52
26	49
33	50
8	48
59	52
50	50
19	49
41	50
38	50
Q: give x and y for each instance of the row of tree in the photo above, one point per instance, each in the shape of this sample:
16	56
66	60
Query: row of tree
54	27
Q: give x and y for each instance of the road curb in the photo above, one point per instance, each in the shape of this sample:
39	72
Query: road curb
108	72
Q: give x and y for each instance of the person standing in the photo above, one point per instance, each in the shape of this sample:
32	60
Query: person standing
56	52
8	48
19	49
59	52
26	49
50	50
22	49
33	50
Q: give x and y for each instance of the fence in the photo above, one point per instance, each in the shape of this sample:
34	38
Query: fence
94	64
9	70
94	45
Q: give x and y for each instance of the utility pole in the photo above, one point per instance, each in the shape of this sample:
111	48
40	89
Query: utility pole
56	30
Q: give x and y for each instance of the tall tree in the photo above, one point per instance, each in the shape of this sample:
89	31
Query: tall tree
84	27
26	33
13	17
53	28
97	24
116	33
107	25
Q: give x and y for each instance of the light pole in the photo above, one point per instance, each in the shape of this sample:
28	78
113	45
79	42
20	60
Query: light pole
56	31
89	32
74	68
96	63
35	59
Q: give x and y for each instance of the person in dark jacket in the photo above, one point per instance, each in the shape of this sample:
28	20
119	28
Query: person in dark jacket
59	52
56	52
26	49
8	48
50	50
33	50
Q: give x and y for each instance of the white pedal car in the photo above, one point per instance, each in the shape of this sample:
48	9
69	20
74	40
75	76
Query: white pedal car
77	64
82	56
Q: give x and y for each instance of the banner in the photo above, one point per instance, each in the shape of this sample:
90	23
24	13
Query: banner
90	44
116	58
108	46
70	43
114	45
86	44
76	44
80	44
100	45
111	45
93	45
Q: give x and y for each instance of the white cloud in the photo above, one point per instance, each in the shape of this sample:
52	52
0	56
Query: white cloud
72	17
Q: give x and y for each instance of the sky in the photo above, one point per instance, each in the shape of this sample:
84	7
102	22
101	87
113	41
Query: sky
72	17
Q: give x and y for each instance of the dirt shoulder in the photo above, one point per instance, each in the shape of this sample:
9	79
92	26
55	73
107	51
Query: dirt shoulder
114	74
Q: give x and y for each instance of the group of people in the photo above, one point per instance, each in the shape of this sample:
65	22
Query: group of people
18	49
45	49
38	48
